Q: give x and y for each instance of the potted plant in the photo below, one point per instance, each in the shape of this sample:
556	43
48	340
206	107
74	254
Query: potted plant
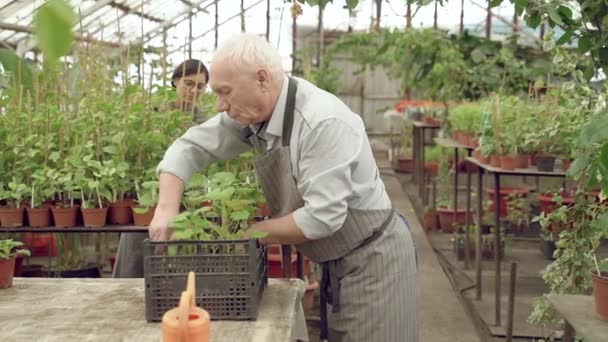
13	193
72	263
39	213
600	287
9	250
119	211
450	218
405	162
147	197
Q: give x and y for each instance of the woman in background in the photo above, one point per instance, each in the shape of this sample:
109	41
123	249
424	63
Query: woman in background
189	80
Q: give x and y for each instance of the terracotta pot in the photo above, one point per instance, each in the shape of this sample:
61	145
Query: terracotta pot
506	193
7	269
566	164
448	222
430	220
600	293
308	301
509	162
477	155
65	217
40	244
94	217
431	168
548	205
404	165
120	212
475	142
523	160
494	161
142	219
468	140
11	217
457	136
39	217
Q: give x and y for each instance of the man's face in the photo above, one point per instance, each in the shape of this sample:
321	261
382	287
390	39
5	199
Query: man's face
240	94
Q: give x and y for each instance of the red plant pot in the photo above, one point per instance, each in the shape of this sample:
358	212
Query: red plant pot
548	205
7	269
404	165
450	218
431	168
142	219
39	217
509	162
94	217
120	212
65	217
505	195
494	161
11	217
600	293
39	244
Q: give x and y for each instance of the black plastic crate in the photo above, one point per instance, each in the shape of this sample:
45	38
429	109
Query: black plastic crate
230	276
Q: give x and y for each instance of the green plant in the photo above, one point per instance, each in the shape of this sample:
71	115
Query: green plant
466	118
231	204
10	249
13	192
518	210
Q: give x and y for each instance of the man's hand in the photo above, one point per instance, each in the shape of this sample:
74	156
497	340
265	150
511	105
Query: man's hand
159	227
169	198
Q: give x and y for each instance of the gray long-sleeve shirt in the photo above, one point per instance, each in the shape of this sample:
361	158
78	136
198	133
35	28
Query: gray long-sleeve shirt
331	157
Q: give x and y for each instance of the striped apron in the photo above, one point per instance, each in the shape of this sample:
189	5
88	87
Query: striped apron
368	287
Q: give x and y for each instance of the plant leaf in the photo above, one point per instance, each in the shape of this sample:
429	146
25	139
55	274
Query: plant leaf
584	44
53	26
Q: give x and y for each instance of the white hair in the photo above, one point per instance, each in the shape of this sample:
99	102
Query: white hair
250	51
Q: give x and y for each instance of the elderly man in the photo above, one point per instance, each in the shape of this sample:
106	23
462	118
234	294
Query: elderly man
321	181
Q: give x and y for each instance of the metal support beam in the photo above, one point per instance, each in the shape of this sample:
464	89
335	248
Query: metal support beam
220	24
129	10
25	29
101	27
172	21
13	7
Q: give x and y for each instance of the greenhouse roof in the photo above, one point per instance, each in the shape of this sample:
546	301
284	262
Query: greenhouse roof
112	21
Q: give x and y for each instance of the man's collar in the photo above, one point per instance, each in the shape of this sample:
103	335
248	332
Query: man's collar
275	124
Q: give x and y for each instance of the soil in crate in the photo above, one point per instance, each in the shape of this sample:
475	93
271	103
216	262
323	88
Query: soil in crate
230	277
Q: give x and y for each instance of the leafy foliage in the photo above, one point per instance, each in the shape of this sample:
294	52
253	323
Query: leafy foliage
10	249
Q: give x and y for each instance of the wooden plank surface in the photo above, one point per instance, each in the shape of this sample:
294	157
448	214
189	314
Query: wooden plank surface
517	172
43	309
579	311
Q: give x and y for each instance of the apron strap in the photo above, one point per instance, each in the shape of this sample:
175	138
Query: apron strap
290	106
330	285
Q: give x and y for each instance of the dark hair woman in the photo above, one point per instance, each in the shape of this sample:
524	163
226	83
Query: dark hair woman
189	80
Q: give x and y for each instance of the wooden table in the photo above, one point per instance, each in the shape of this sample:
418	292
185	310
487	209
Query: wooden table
62	310
418	142
497	172
451	143
579	313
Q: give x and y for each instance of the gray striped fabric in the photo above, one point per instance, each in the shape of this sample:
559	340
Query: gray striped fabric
273	170
359	225
378	291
